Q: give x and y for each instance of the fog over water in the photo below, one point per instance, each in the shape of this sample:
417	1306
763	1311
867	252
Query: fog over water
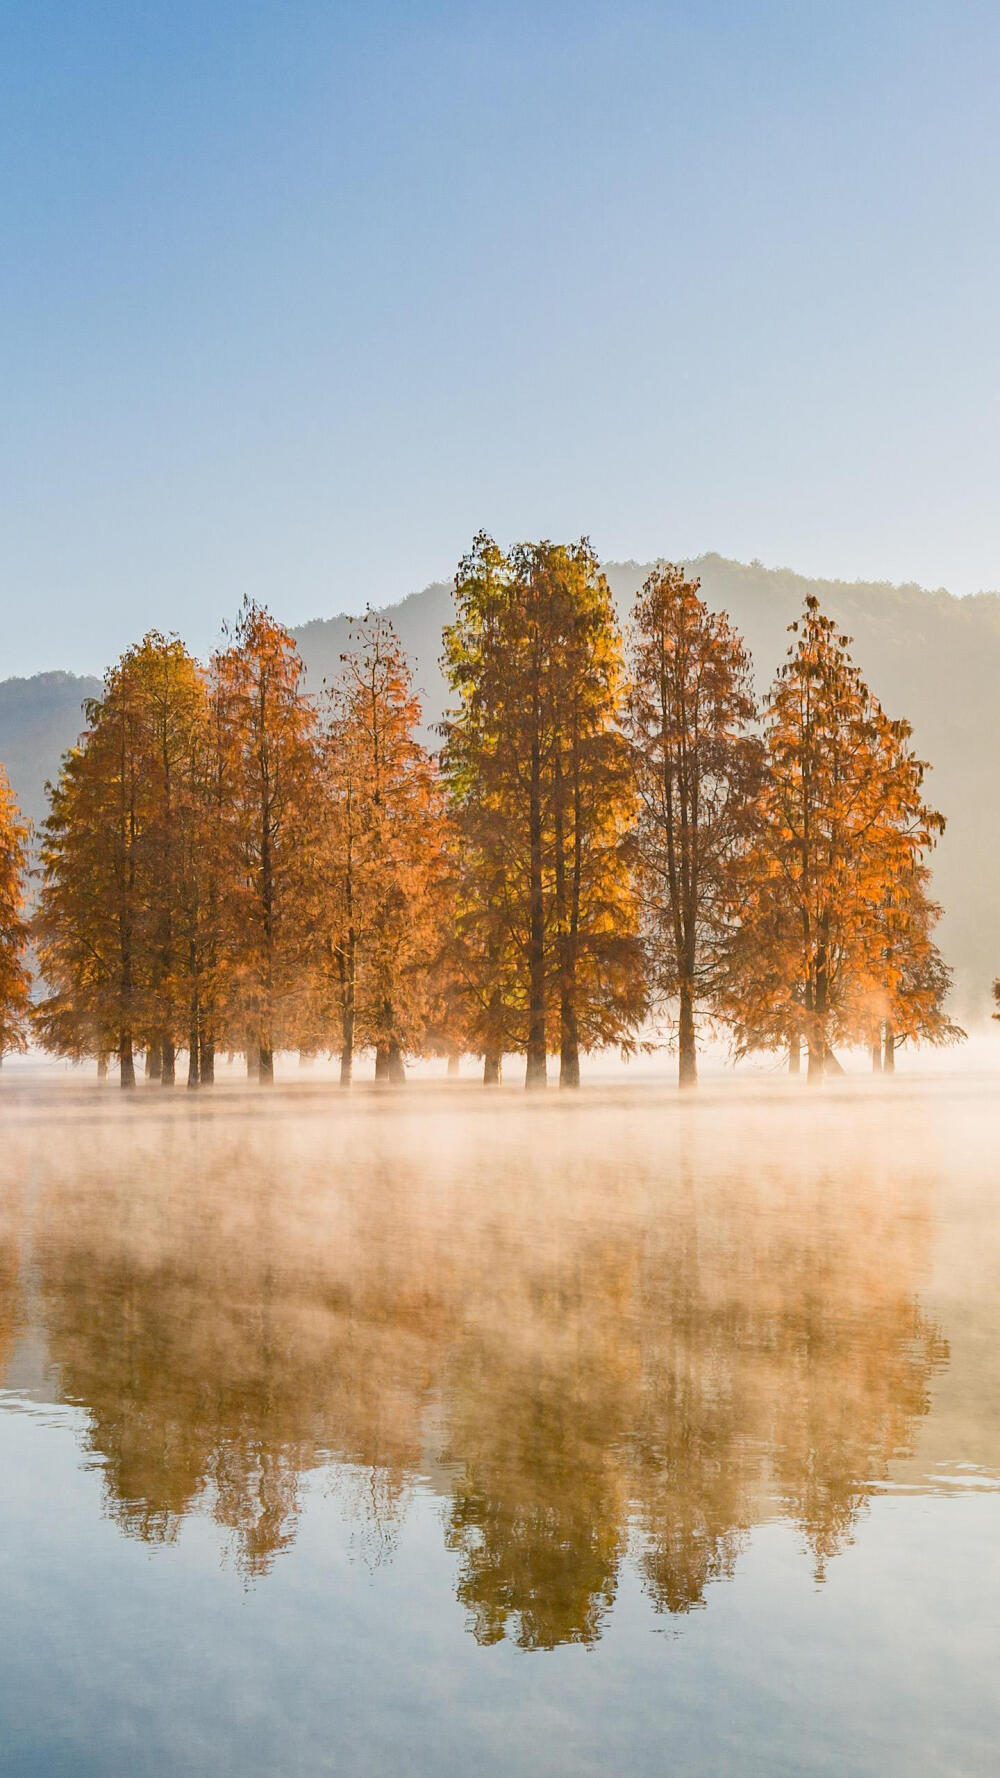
434	1430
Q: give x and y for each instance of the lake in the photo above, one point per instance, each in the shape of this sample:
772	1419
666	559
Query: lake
441	1432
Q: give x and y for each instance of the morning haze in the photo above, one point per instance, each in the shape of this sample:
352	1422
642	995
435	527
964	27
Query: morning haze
499	1102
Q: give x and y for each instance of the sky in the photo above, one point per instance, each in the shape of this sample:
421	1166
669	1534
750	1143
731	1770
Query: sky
295	297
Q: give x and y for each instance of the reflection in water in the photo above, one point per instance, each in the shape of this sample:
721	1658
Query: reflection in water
597	1335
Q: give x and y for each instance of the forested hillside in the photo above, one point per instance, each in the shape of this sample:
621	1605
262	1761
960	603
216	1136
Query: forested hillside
39	719
929	656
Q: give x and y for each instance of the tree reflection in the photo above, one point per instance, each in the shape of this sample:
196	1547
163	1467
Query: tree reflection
583	1357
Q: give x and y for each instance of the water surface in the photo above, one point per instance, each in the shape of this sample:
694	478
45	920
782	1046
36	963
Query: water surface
434	1432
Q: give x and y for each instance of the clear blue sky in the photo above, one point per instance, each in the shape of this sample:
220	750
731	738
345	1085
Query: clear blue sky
295	296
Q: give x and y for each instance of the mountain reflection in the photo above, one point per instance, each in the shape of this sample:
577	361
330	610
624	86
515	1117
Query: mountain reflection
596	1337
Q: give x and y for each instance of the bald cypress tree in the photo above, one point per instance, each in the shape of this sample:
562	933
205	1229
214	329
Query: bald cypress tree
15	981
835	930
697	769
269	820
542	795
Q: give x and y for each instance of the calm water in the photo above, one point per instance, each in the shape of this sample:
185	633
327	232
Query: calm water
447	1434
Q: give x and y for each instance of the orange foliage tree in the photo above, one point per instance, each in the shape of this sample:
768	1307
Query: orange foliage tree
697	770
383	859
835	934
543	802
15	980
269	822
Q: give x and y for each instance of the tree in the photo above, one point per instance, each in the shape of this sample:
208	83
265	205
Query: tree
541	794
384	854
833	877
15	980
90	919
697	773
173	853
910	981
269	824
123	860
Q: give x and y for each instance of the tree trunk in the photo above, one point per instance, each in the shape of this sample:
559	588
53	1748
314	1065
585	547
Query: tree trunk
569	1047
795	1054
168	1073
687	1064
126	1062
265	1073
536	1070
194	1060
454	1065
817	1061
102	1067
397	1071
492	1068
154	1061
816	1008
253	1062
535	1075
382	1062
875	1051
569	1065
830	1063
207	1061
889	1060
347	1013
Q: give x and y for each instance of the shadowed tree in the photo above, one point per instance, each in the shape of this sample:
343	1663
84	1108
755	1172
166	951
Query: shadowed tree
268	739
15	980
91	924
697	773
384	854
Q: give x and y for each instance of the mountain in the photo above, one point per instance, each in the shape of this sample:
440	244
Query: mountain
39	719
928	656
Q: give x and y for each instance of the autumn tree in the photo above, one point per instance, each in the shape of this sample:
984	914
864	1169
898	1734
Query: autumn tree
15	980
123	858
175	853
904	998
697	773
834	874
542	796
383	857
269	823
91	924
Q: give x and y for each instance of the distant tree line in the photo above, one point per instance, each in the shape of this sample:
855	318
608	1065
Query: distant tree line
613	842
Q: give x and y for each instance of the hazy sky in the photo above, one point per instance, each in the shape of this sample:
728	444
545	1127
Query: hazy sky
297	295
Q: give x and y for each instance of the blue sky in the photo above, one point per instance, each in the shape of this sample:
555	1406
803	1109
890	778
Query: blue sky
295	297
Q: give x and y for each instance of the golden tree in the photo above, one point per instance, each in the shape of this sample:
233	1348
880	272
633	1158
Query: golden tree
541	792
384	862
91	923
174	856
833	917
15	980
268	833
123	861
697	773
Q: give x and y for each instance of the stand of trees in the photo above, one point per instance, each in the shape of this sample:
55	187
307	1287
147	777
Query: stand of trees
612	836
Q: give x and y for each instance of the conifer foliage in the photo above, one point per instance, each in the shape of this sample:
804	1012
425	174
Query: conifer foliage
233	862
383	857
835	945
543	800
697	767
15	982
